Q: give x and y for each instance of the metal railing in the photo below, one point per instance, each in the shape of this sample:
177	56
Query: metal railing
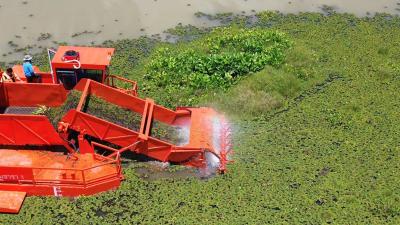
123	84
63	176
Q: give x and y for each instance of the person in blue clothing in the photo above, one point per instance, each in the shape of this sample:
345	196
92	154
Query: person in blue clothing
31	76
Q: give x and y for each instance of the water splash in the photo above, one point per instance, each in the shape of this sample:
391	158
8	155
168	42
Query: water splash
183	135
221	137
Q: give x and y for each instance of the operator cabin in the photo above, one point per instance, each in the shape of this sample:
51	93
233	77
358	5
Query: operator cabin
68	65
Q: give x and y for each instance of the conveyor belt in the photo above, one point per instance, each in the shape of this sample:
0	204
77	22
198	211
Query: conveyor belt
19	110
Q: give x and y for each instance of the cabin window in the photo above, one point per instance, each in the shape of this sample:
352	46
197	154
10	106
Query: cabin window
96	75
67	78
70	77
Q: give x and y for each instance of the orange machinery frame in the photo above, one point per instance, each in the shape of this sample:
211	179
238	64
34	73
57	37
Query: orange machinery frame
209	136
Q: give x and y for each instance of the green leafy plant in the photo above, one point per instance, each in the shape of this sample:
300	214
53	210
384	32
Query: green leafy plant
215	61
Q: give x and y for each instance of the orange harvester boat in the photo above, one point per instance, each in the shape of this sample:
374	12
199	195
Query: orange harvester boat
38	159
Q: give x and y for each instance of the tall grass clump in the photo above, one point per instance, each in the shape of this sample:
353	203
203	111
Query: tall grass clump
262	92
272	87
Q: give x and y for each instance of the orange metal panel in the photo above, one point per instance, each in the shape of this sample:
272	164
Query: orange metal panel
90	58
27	130
28	94
19	70
46	77
15	174
11	201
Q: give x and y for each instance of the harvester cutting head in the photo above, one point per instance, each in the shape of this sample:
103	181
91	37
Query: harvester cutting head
211	132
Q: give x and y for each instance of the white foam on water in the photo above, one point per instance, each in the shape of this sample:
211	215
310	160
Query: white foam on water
213	162
212	165
221	133
217	131
183	135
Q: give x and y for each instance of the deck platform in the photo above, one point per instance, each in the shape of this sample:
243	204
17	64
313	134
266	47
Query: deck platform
11	201
41	172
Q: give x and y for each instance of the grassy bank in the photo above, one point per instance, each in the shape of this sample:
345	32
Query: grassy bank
316	137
